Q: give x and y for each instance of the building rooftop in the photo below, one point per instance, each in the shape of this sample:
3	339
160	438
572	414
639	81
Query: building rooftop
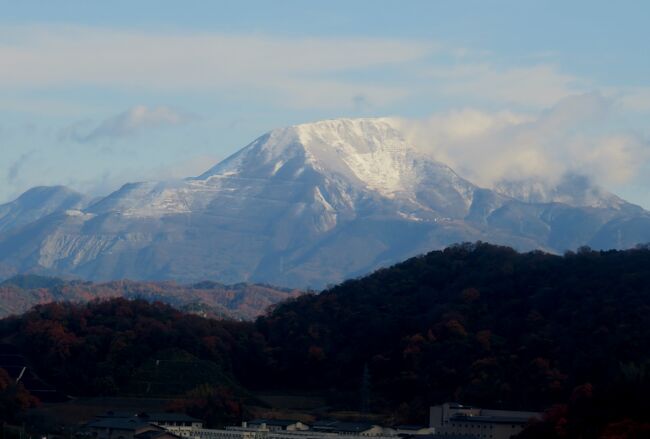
274	422
153	434
491	419
345	427
409	427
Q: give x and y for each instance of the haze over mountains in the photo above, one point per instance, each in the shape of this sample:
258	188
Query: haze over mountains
306	205
212	299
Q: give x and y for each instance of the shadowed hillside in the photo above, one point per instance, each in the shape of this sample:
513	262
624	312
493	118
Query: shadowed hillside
475	323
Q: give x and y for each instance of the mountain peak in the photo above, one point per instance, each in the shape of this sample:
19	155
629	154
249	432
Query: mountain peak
365	134
38	202
367	153
36	194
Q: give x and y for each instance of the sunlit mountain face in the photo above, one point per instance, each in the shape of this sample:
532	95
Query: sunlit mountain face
304	206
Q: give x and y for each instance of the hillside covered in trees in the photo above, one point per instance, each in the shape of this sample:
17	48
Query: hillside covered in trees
474	323
479	324
211	299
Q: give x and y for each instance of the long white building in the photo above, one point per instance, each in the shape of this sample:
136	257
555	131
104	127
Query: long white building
451	419
285	429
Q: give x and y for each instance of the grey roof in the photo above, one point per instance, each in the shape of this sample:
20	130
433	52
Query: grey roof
410	427
153	434
346	427
491	419
276	422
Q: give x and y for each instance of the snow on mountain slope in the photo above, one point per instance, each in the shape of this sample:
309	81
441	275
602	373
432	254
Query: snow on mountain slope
308	205
340	161
37	203
369	153
573	190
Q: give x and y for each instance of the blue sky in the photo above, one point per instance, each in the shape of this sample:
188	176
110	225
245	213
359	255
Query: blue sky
95	94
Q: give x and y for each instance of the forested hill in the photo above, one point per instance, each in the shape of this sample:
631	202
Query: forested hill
474	323
132	348
212	299
478	324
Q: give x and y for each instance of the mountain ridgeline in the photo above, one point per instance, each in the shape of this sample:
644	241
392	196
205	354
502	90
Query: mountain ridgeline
240	302
303	206
476	323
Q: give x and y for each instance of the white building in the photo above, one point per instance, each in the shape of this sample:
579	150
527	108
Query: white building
276	425
350	428
456	419
285	429
178	423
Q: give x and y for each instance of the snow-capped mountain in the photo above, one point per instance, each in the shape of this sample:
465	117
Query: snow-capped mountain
37	203
332	165
309	205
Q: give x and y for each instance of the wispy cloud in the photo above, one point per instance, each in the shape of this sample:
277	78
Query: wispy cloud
14	170
113	178
538	85
58	56
126	124
299	72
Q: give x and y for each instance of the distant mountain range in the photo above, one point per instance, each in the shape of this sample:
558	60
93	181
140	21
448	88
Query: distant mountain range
303	206
211	299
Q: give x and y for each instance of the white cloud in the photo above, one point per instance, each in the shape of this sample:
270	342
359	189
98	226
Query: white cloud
490	147
73	56
294	72
127	124
539	85
618	158
185	60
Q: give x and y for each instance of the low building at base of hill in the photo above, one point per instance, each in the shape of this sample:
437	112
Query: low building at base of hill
276	425
126	428
127	425
348	428
324	429
446	421
450	419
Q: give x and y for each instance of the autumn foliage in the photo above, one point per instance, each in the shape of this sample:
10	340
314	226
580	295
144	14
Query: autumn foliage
13	398
124	346
474	323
